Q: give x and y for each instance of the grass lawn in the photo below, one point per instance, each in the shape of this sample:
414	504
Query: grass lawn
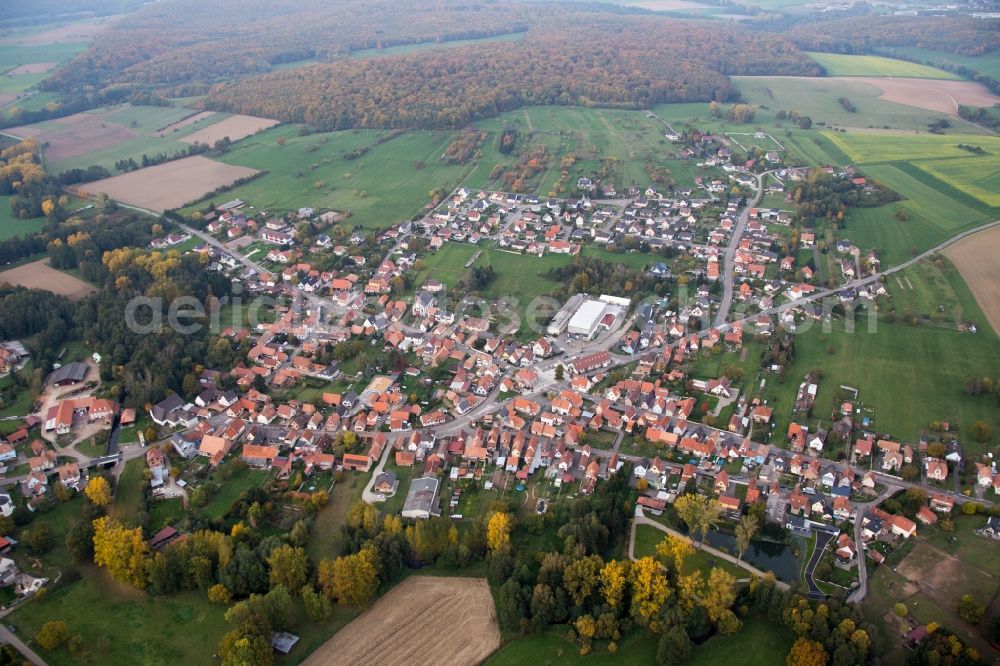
11	226
837	64
552	649
92	448
759	643
325	540
125	626
967	546
231	489
165	512
447	265
60	517
933	289
128	494
646	538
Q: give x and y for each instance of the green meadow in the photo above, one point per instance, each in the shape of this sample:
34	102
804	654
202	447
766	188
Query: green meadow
388	184
837	64
988	64
910	374
868	147
819	98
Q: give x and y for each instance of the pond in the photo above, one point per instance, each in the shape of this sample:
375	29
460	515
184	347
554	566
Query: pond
765	555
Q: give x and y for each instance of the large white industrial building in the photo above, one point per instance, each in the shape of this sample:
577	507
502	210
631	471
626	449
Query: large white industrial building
593	314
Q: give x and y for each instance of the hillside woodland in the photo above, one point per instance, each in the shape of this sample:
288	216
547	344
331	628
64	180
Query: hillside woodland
607	63
863	34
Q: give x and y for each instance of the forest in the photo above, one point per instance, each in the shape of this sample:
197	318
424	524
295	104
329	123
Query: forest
191	42
862	34
590	63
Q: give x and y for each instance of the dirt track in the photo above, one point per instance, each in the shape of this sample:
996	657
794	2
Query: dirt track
424	620
184	123
975	258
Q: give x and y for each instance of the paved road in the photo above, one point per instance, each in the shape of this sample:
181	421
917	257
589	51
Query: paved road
822	538
641	519
367	495
8	636
861	591
728	263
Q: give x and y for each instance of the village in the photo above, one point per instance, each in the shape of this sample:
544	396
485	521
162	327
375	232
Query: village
452	407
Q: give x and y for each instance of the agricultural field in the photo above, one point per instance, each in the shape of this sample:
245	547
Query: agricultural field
877	147
105	136
939	96
389	183
819	98
234	127
457	612
39	275
975	258
929	214
837	64
988	64
977	176
169	185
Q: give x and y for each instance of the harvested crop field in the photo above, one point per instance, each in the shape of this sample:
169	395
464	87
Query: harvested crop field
83	31
39	275
198	117
33	68
7	98
933	95
423	620
170	185
975	258
235	127
75	135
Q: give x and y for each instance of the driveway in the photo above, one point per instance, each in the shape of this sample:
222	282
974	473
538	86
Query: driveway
822	538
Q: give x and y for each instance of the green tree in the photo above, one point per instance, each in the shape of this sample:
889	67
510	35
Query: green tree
745	531
317	605
98	491
351	579
699	512
52	634
288	566
981	432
